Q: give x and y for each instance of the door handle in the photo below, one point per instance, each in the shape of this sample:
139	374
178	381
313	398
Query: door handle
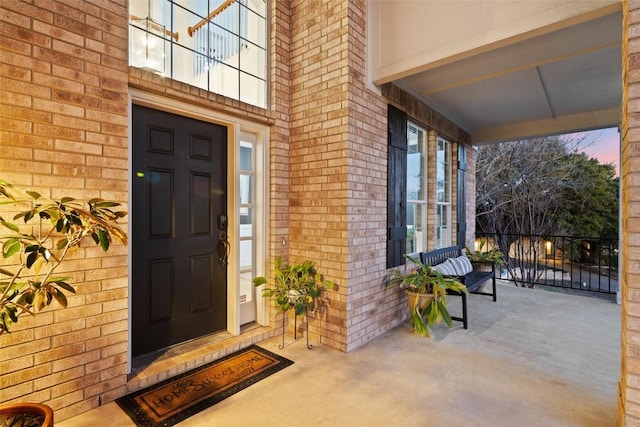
223	248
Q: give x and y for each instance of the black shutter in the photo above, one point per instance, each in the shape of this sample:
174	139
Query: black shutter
396	187
462	198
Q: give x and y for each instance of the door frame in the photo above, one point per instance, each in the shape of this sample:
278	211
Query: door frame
235	126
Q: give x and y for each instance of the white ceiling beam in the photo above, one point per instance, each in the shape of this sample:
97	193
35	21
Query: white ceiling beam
517	68
546	93
560	125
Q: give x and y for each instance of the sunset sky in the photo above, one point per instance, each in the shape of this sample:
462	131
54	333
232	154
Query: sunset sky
603	144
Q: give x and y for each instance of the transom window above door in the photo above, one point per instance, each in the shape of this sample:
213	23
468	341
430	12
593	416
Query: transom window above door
216	45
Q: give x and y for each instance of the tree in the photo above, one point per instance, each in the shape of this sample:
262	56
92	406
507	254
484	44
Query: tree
591	211
542	187
591	203
519	185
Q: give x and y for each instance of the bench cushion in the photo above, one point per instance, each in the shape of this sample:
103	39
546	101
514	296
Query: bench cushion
446	268
461	265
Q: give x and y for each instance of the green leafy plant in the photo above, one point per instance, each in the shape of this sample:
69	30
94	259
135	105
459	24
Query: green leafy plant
297	286
491	256
52	230
429	306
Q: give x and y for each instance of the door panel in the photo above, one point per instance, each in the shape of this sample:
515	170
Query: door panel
179	289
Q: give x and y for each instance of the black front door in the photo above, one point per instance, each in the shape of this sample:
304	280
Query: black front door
179	209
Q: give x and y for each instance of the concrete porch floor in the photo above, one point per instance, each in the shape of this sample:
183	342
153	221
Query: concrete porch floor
533	358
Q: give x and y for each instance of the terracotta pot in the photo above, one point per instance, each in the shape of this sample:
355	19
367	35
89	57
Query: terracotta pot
415	298
9	410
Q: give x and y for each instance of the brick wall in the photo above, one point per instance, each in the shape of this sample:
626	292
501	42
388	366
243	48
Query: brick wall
370	310
64	117
338	168
318	150
629	393
280	132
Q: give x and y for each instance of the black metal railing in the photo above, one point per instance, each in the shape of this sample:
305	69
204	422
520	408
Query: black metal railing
581	263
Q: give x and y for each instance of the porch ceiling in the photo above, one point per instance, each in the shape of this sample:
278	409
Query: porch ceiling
559	82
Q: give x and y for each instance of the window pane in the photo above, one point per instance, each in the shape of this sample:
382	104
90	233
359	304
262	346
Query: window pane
184	52
257	7
411	227
246	153
246	222
443	226
257	28
224	80
415	165
416	231
246	189
443	193
253	61
252	90
246	254
182	67
416	188
186	41
443	172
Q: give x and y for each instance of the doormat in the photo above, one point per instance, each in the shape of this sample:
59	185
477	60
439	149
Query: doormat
175	399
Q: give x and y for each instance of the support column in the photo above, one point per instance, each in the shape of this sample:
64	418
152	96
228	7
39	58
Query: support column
629	386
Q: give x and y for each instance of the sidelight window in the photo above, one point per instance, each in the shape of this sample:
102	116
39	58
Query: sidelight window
247	217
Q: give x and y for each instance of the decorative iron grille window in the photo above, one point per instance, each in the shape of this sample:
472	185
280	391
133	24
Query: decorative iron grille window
222	37
216	45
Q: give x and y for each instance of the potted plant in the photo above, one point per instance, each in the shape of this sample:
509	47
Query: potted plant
26	415
426	290
297	286
492	256
51	230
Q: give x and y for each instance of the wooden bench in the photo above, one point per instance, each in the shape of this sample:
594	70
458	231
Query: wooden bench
471	280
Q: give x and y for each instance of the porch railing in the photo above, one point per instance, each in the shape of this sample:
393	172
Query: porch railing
581	263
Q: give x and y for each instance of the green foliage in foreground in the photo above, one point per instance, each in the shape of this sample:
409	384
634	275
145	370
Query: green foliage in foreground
50	230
